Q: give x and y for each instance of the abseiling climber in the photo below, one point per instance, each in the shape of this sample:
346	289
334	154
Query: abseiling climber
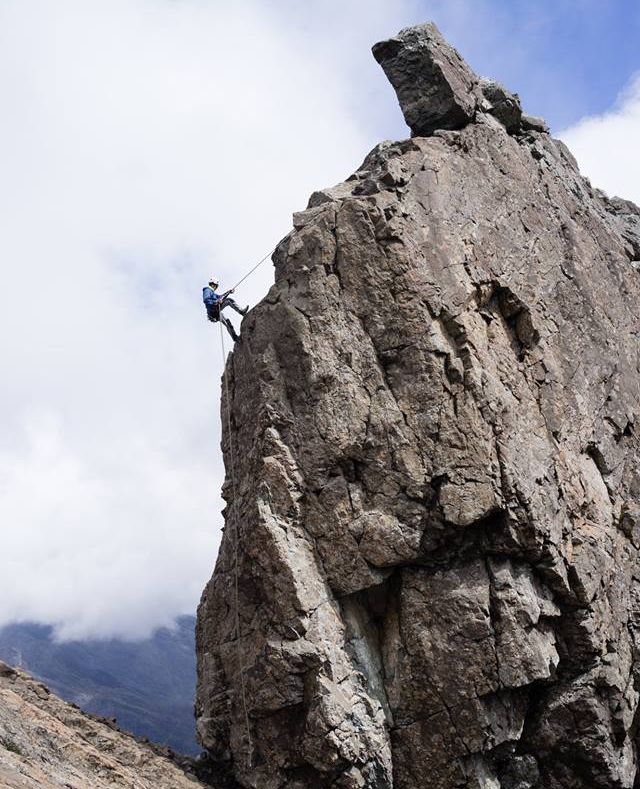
216	302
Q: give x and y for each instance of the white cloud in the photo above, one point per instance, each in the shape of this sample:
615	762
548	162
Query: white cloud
144	144
606	145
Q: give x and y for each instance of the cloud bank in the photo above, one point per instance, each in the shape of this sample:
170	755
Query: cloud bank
145	144
606	145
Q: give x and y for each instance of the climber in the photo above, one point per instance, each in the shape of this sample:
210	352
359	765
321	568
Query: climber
215	303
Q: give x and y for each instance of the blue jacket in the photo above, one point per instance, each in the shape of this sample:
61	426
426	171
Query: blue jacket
210	297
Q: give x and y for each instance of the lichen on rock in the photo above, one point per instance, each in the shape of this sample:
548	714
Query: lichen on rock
436	487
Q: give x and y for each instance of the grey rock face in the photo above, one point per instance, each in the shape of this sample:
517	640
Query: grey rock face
435	486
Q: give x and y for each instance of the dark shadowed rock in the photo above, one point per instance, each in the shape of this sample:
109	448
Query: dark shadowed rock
533	123
436	490
6	670
502	104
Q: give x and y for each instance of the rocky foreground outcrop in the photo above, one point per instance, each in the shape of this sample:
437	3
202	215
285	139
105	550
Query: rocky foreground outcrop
432	469
46	743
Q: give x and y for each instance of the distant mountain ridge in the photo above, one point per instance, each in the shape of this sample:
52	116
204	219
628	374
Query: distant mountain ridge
148	686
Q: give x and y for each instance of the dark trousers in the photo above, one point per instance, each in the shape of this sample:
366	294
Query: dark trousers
215	315
229	327
229	302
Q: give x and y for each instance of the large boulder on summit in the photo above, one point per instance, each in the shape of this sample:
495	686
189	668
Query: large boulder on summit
429	571
435	87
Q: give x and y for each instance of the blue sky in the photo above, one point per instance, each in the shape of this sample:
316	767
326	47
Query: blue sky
147	144
567	58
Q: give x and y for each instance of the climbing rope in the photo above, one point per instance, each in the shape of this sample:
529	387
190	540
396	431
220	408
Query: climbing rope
232	467
257	266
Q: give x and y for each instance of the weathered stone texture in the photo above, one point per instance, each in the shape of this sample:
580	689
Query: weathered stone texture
436	88
435	484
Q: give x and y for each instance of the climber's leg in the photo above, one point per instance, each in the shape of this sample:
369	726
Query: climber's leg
229	327
229	302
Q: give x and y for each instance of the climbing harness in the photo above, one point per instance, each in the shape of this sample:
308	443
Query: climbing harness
213	312
232	467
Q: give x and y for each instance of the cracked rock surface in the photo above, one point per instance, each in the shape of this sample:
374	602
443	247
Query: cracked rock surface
432	469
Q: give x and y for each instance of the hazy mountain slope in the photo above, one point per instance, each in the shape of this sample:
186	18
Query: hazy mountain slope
46	743
148	686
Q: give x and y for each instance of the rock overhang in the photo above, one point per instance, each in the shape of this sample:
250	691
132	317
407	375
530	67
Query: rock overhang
436	89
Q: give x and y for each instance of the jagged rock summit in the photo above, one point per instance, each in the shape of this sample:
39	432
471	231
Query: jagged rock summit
438	90
429	572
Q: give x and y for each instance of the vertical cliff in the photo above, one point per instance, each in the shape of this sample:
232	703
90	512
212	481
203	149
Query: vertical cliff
432	469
